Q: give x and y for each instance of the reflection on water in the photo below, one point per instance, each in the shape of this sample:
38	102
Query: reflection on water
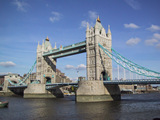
132	107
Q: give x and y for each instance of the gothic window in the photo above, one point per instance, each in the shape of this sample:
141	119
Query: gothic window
39	67
104	44
39	59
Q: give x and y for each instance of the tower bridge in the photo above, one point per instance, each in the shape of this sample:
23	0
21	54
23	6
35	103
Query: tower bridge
99	85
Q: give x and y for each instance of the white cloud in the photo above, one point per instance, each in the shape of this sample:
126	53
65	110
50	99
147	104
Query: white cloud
133	3
21	6
156	35
151	42
92	15
81	67
133	41
5	73
131	25
154	28
7	64
74	79
69	67
84	24
56	16
158	46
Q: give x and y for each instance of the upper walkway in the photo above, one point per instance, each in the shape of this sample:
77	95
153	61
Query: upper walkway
67	50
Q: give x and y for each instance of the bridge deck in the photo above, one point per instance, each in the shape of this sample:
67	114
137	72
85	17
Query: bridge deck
118	82
67	50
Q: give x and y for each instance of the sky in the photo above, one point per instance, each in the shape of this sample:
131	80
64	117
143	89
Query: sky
135	27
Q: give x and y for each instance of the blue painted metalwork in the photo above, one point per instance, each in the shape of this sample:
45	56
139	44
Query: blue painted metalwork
65	49
35	82
129	65
116	82
134	81
22	82
69	53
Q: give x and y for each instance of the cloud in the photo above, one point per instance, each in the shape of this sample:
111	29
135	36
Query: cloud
5	73
92	15
158	46
131	25
154	28
151	42
81	67
69	67
74	79
84	24
21	5
7	64
133	3
156	35
133	41
56	16
154	40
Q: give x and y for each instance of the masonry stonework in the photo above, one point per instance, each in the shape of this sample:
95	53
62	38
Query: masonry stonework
46	66
99	65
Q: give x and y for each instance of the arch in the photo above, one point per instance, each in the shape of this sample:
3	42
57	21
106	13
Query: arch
14	81
48	79
104	76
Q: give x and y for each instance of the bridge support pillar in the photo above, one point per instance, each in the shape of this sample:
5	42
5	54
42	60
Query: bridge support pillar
95	91
39	91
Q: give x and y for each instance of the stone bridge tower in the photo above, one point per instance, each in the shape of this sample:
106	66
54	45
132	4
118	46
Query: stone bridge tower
99	65
99	68
46	67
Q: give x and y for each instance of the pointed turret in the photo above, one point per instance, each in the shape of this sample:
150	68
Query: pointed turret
98	26
61	47
47	39
55	47
38	47
98	19
38	44
87	27
87	30
109	32
43	46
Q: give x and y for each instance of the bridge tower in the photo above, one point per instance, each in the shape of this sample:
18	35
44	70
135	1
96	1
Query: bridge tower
46	67
45	72
99	68
99	65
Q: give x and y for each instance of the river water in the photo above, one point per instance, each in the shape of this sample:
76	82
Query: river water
131	107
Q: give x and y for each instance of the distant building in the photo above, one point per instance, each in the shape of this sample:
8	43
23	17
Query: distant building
1	79
60	77
11	76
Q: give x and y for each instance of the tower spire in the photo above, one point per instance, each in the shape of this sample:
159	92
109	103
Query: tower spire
98	20
55	47
47	39
109	30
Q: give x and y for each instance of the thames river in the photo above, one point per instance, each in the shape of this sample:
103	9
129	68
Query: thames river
131	107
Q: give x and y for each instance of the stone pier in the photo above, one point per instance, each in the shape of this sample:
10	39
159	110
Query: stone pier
95	91
39	91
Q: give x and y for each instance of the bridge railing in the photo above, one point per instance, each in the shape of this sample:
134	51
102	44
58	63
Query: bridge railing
65	48
129	65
